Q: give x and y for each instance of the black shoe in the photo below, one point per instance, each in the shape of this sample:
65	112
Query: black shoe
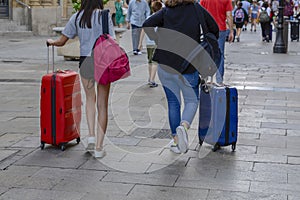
267	39
153	84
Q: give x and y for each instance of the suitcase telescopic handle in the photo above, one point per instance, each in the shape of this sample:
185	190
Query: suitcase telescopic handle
48	57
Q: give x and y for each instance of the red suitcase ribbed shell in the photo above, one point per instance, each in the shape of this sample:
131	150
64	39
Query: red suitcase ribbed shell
60	108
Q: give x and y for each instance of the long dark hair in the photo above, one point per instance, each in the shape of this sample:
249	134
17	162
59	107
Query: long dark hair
265	5
87	7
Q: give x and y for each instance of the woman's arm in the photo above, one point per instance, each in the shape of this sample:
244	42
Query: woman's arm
153	21
211	23
61	41
230	25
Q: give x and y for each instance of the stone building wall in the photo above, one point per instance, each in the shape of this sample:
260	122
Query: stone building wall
45	14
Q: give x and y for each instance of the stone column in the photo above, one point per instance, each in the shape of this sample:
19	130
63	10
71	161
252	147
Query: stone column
64	9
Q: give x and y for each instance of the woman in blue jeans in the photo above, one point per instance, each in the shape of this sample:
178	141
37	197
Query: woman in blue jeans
174	84
177	24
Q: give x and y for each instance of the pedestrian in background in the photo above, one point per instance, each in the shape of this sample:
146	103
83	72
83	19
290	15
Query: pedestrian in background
151	46
254	14
142	32
240	17
296	6
82	24
221	10
274	9
246	5
265	26
138	11
288	9
120	17
177	18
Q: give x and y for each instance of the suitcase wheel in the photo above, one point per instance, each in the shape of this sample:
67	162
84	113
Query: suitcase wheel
216	147
62	147
200	142
233	146
42	145
78	140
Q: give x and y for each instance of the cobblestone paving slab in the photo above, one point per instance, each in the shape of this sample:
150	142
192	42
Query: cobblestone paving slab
29	194
293	178
275	188
104	195
252	176
55	158
293	197
28	142
6	153
3	190
219	163
14	174
224	195
166	193
209	183
148	179
276	168
96	187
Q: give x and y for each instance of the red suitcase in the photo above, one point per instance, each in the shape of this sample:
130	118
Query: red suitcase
60	107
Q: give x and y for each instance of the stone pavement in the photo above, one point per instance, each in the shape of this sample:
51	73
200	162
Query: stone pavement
138	165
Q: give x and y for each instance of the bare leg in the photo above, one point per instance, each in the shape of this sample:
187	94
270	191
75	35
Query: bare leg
238	33
141	40
102	106
152	71
90	94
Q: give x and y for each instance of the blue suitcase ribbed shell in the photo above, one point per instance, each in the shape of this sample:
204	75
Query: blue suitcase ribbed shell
218	116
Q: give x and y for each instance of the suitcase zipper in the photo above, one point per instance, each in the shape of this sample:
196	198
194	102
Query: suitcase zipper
227	121
53	108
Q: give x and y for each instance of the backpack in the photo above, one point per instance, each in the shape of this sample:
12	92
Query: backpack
205	62
239	16
264	17
111	62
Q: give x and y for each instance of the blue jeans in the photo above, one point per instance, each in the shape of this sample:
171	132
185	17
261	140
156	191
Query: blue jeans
135	34
221	41
174	84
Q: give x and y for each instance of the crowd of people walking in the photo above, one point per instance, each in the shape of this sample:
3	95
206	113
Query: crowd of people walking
155	17
261	12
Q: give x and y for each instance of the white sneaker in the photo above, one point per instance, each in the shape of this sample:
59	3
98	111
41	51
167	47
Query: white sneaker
174	147
90	143
182	139
99	154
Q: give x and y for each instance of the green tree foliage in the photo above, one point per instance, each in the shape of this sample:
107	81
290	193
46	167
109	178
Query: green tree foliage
77	4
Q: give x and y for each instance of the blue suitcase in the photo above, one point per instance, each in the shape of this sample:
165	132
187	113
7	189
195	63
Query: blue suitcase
218	116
